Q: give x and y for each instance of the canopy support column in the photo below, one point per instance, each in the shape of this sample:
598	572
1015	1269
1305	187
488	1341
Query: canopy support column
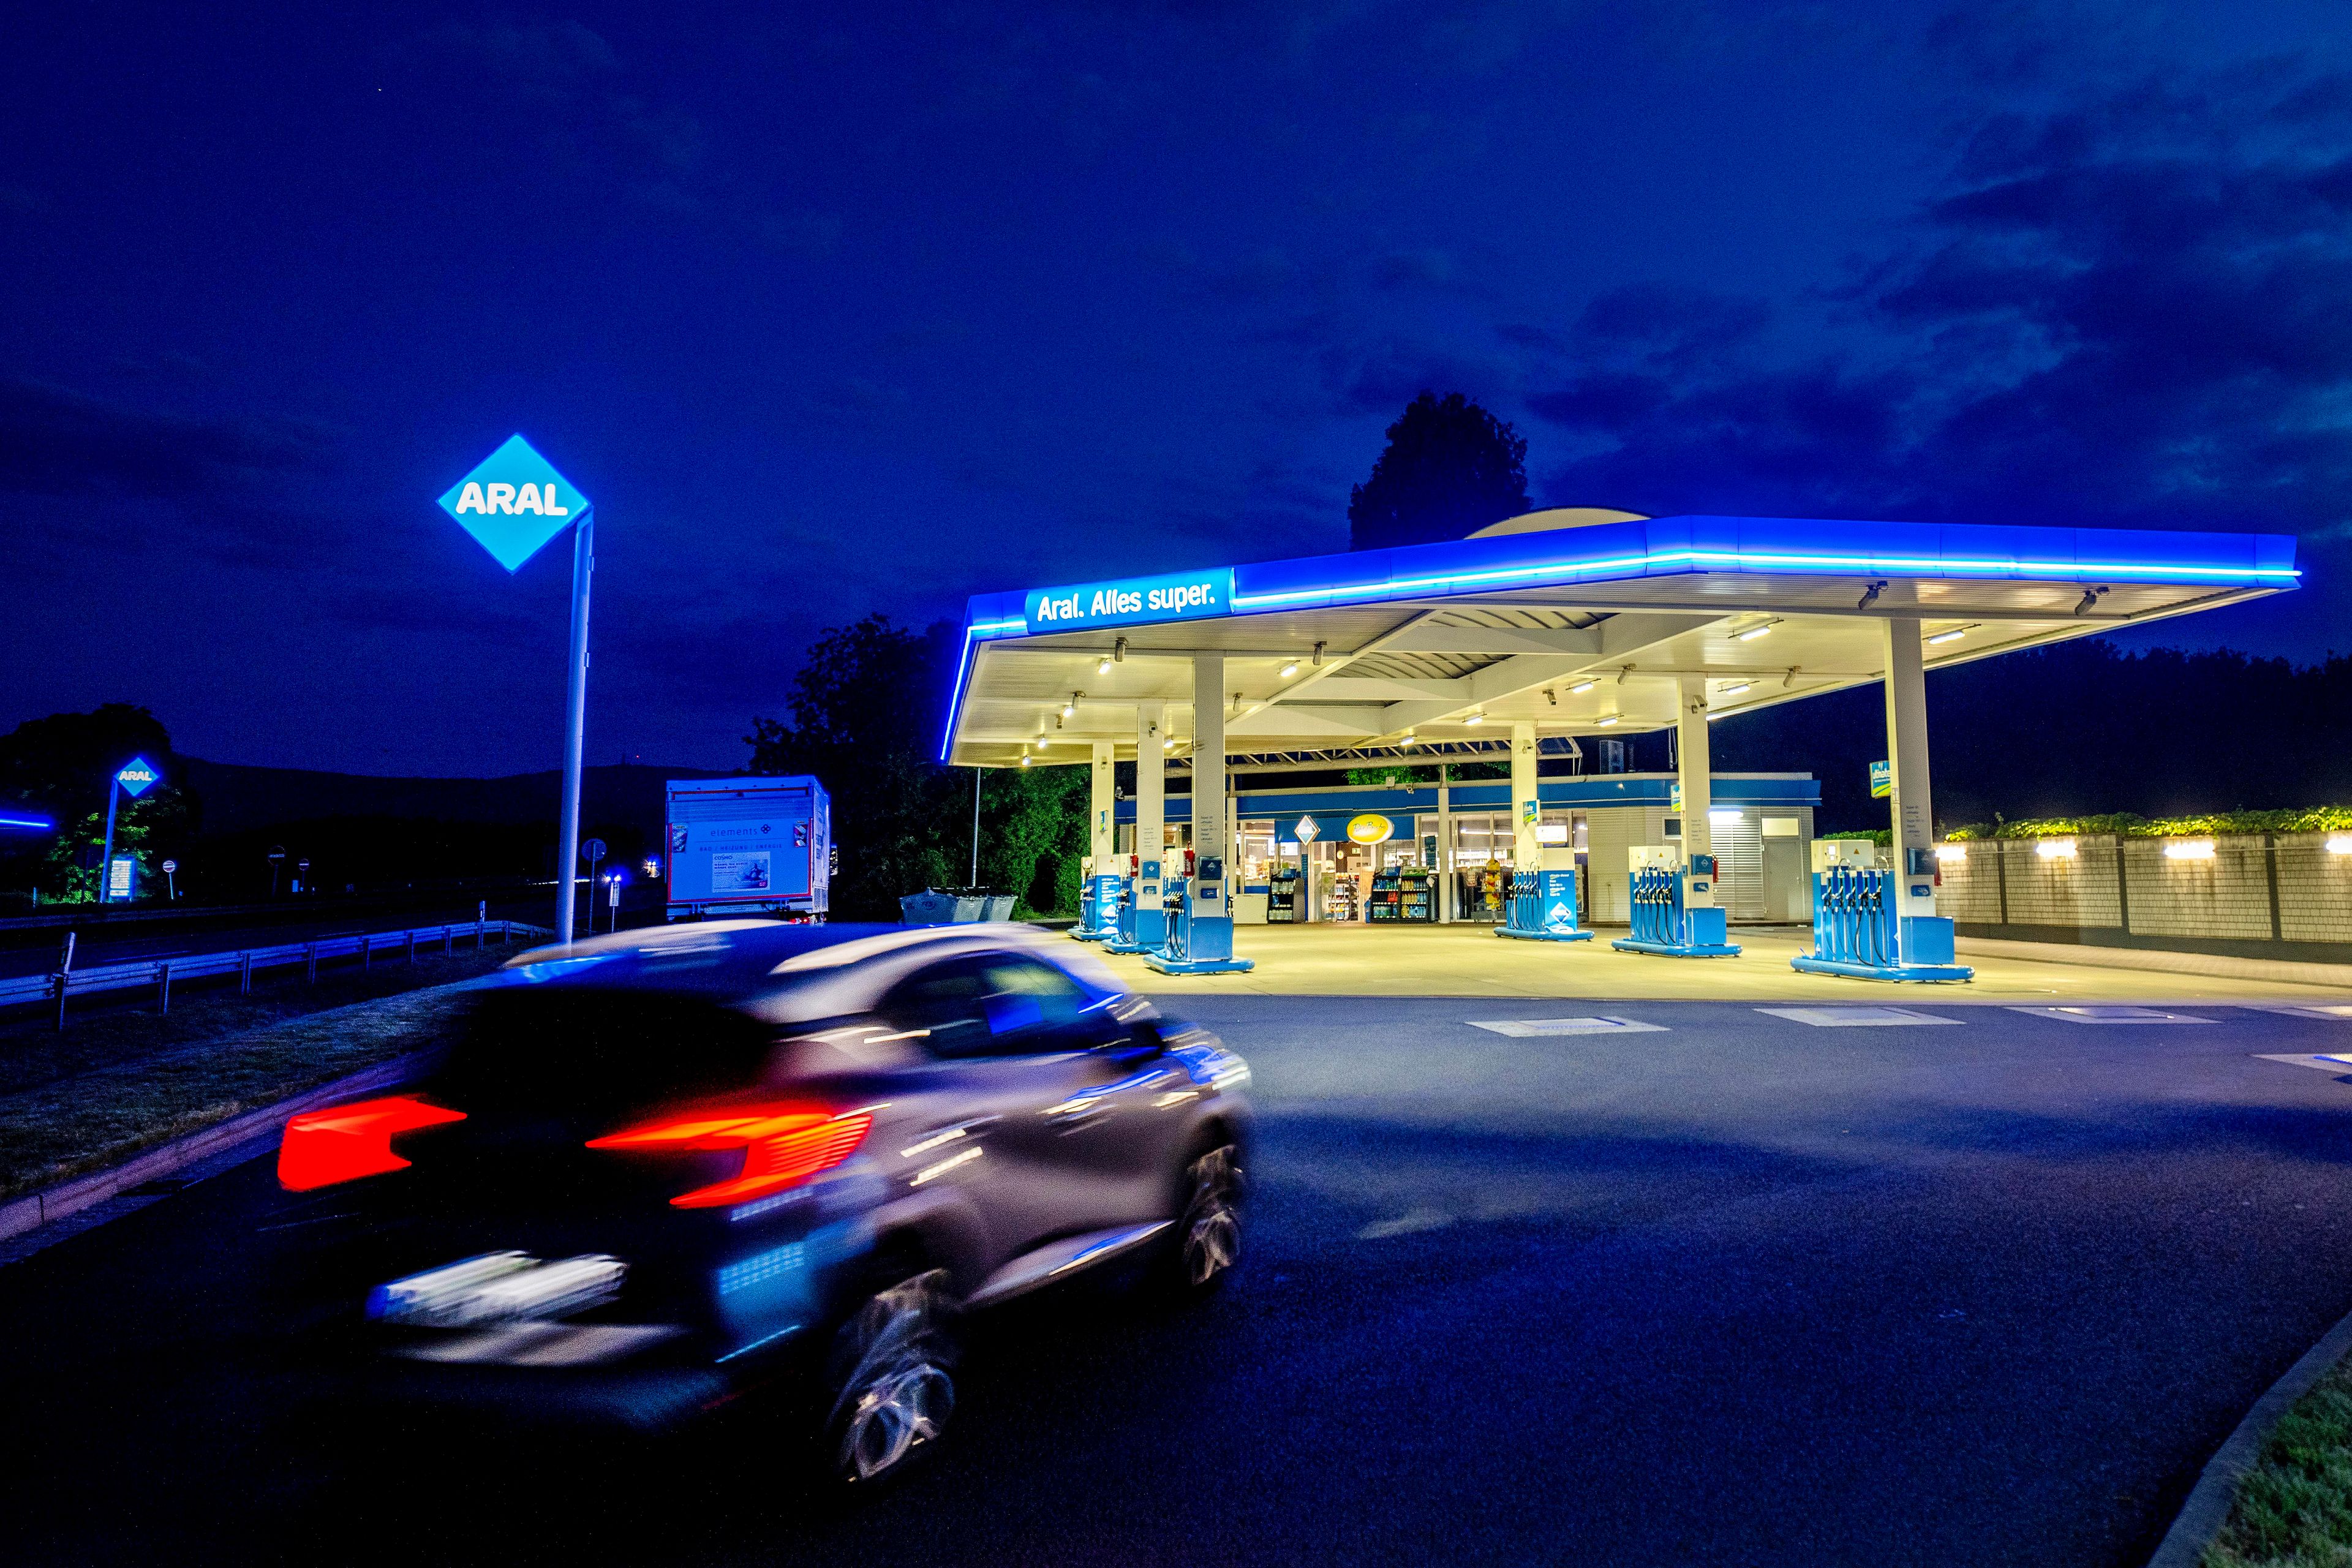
1150	823
1913	805
1697	775
1098	896
1200	940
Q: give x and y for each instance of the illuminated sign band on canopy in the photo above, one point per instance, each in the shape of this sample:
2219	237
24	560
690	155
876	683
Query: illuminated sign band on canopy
1171	596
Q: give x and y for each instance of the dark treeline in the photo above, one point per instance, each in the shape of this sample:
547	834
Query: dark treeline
2077	728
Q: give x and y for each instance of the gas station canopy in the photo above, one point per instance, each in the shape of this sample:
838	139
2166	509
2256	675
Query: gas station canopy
1584	622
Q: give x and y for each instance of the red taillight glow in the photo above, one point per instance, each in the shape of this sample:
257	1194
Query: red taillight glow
345	1143
782	1145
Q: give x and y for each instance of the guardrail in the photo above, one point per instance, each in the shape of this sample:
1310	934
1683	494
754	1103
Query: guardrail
159	973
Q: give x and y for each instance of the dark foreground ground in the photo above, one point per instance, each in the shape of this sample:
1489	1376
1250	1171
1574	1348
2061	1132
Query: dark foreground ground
1738	1290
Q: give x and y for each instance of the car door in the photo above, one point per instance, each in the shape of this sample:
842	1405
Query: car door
1043	1085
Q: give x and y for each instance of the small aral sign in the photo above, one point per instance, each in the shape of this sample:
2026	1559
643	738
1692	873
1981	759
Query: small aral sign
1881	780
513	502
1370	828
137	777
1306	830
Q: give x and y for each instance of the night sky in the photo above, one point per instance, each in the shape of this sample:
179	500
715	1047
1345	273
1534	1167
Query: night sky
875	308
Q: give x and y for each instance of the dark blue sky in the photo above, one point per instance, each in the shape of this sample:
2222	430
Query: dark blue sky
853	312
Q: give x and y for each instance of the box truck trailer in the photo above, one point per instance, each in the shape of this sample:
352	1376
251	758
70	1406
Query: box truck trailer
749	847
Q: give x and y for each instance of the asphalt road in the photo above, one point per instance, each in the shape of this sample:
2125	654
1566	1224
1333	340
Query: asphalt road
1735	1290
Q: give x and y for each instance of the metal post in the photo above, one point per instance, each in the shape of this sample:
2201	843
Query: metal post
575	719
974	882
65	975
364	954
244	974
106	855
310	961
163	987
481	912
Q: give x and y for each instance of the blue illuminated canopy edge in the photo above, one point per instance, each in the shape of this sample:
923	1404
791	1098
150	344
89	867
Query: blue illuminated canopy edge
1692	545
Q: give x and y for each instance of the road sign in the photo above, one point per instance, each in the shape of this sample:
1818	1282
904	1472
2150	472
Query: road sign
514	503
277	852
170	867
1881	780
593	850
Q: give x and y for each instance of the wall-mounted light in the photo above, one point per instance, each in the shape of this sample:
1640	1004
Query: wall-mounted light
2055	849
2339	844
1551	697
1870	594
1752	633
1580	688
1169	745
1103	668
1118	651
1290	670
1024	759
1606	722
1475	719
1408	741
1952	854
1736	687
2189	850
2090	601
1955	635
1318	655
1070	708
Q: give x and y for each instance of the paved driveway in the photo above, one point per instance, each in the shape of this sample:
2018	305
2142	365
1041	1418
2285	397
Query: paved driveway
1732	1287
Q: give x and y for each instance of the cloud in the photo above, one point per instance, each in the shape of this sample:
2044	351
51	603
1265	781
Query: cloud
2124	310
57	442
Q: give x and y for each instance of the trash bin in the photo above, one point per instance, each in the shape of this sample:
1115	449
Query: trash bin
962	905
927	908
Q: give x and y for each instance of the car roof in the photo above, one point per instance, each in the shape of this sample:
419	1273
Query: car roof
781	971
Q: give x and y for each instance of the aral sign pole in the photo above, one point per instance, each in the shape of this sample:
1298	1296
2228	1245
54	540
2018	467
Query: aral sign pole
136	777
513	504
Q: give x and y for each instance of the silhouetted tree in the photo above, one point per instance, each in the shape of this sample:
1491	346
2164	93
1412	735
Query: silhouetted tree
1449	469
60	765
867	708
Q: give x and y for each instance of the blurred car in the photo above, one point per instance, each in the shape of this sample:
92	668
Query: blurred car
654	1171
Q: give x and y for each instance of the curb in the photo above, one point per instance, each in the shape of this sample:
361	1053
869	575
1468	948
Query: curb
2285	971
2208	1508
37	1209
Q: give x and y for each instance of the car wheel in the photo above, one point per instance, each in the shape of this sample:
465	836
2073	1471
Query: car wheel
1207	1245
893	1394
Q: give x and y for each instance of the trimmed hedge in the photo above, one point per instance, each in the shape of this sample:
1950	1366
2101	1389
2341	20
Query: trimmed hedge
2124	824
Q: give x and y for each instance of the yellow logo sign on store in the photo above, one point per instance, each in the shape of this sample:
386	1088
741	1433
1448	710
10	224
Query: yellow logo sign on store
1370	828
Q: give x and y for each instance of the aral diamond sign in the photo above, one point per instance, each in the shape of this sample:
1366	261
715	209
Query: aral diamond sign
514	503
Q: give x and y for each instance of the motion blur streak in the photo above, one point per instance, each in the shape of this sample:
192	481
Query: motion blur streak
347	1141
781	1145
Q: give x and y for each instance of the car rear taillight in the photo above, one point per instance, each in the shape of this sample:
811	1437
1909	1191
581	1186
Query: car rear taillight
345	1143
783	1146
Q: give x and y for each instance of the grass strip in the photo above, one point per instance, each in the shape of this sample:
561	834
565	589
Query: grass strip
2293	1509
93	1120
